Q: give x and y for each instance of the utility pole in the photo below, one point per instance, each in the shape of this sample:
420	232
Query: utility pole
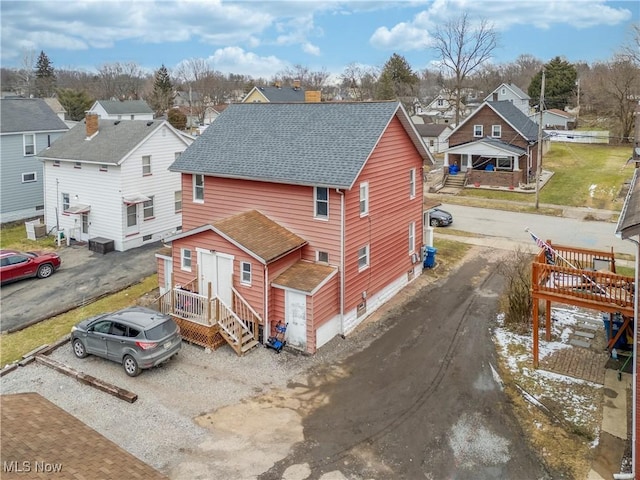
578	103
539	156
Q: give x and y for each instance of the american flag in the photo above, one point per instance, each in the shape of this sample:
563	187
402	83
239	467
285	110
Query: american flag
539	242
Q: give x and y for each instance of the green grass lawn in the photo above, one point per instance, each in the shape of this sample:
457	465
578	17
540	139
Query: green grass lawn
583	176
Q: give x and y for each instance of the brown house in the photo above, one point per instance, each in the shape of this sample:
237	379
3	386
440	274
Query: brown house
496	145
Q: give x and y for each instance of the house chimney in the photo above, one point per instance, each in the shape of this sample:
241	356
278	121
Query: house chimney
91	121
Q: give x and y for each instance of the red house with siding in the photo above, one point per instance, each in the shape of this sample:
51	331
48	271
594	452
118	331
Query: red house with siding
306	214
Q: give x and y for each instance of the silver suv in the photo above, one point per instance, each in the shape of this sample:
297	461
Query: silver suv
136	337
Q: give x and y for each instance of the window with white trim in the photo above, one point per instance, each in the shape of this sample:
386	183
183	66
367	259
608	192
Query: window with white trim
477	130
146	165
29	143
412	237
147	209
104	168
504	163
198	187
245	273
77	165
321	201
364	199
496	131
29	177
322	257
177	201
412	183
132	215
56	163
65	201
185	259
363	257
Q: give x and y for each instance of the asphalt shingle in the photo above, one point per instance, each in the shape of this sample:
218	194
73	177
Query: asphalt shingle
19	115
322	144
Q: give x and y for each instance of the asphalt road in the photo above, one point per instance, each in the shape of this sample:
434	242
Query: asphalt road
83	276
424	399
511	226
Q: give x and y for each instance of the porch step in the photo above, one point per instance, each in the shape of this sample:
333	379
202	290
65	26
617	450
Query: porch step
456	181
248	346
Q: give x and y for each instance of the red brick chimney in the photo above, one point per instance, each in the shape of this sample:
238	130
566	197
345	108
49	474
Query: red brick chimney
91	121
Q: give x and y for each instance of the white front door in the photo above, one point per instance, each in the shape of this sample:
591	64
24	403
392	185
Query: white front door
216	269
168	275
132	219
295	314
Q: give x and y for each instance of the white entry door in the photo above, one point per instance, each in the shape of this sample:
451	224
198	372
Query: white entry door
216	269
295	313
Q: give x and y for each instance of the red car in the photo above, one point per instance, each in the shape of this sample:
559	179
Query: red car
16	265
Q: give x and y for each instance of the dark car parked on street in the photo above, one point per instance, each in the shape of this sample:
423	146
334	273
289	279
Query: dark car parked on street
15	265
438	217
137	337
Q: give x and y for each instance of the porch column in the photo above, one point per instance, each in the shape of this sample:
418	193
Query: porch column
446	159
516	164
469	162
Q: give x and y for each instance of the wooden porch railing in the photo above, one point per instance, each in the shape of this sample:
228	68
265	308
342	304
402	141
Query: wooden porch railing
236	323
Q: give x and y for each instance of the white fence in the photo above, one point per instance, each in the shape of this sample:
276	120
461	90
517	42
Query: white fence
579	136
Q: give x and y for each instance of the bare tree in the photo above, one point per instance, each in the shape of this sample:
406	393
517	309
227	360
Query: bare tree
632	47
121	80
612	88
463	48
359	81
26	73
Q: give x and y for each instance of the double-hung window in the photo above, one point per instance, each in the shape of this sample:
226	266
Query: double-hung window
321	195
245	272
198	187
147	209
177	201
496	131
412	183
146	165
363	257
412	237
65	202
364	199
29	142
477	131
185	259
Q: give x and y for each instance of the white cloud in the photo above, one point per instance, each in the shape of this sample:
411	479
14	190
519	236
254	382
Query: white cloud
237	60
311	49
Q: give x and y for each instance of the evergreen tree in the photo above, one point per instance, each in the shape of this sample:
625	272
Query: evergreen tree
75	102
397	80
162	97
177	119
559	86
45	76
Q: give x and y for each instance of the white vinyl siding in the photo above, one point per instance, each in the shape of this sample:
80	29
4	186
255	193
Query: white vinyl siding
105	192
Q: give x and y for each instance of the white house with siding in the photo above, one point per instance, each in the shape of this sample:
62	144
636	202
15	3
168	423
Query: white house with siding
122	110
110	179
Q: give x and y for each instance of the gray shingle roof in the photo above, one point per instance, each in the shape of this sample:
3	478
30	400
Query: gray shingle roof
126	107
282	94
114	140
321	144
28	115
629	221
516	118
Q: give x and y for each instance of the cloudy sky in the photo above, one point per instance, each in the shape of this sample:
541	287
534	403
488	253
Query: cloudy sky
261	38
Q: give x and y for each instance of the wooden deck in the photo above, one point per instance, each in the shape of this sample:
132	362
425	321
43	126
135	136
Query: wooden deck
582	277
208	321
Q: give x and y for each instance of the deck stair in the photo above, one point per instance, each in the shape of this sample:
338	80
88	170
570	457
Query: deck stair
585	332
